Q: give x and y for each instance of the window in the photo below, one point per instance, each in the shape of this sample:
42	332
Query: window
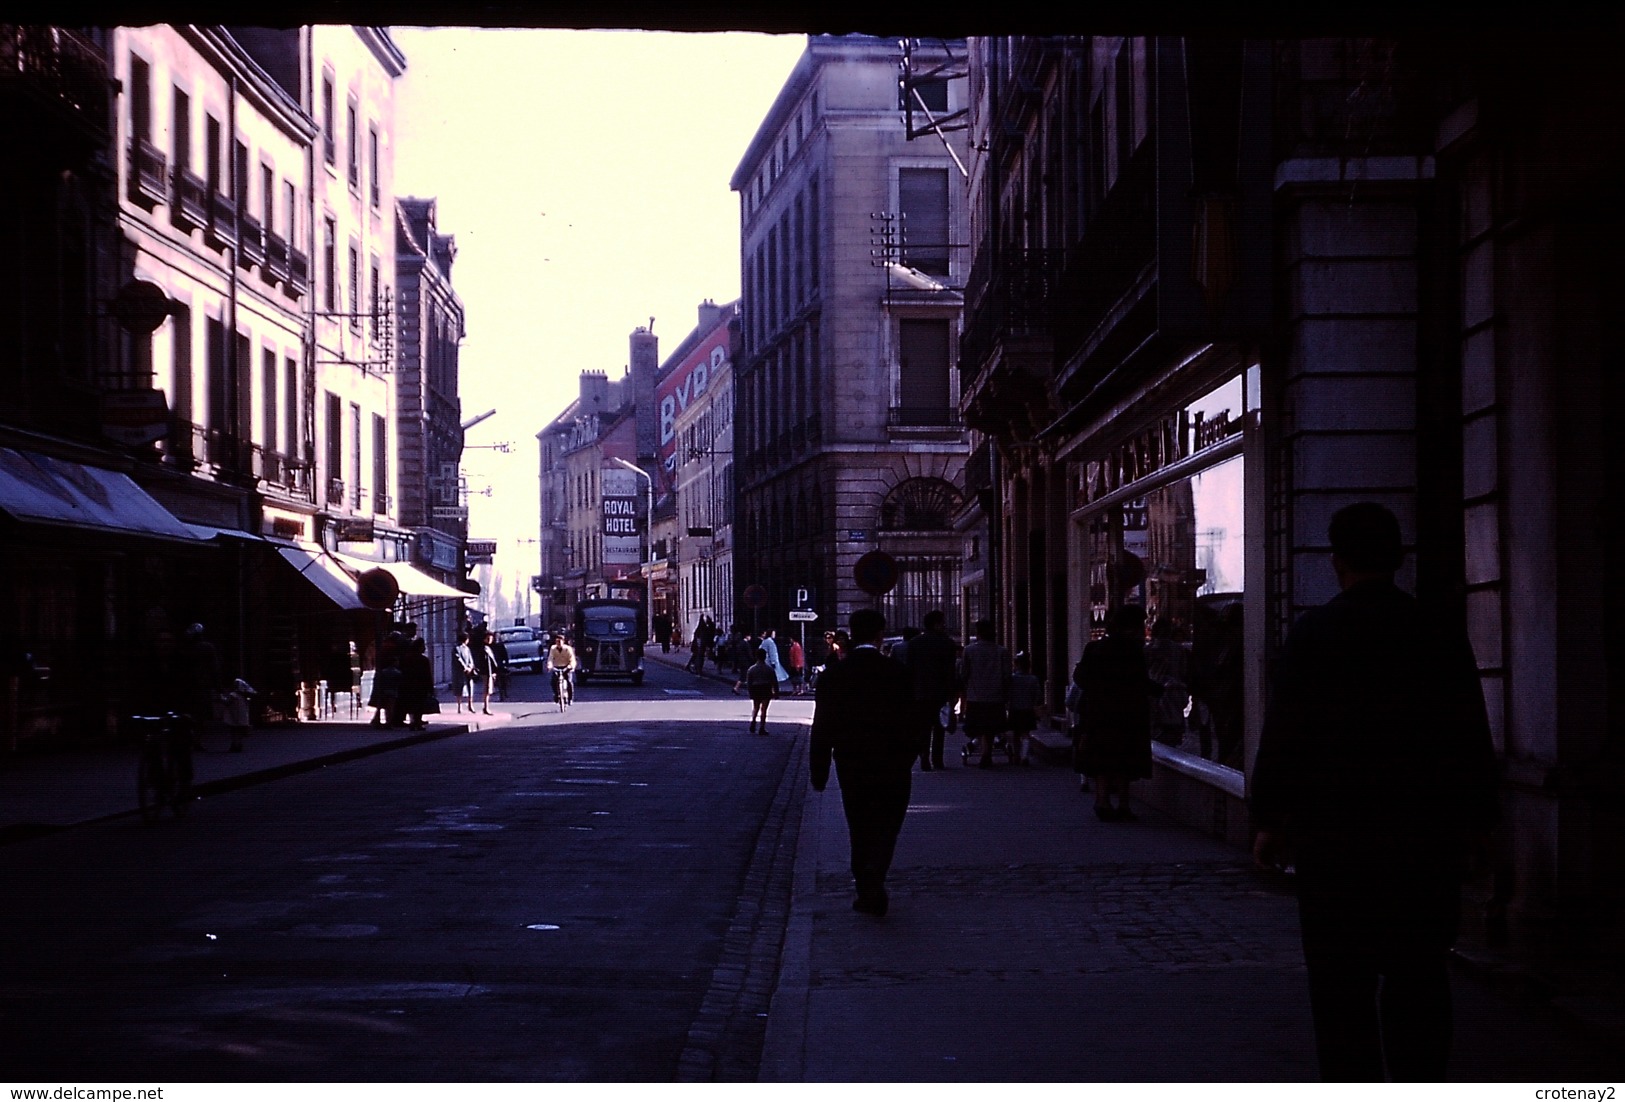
290	203
180	400
355	456
268	197
290	408
372	324
1125	107
812	236
216	399
329	121
355	289
372	179
922	372
239	179
933	93
380	464
268	397
335	448
330	260
352	144
922	199
181	131
140	100
212	150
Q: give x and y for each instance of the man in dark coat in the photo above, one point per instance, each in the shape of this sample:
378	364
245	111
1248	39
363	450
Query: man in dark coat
865	721
932	659
1376	767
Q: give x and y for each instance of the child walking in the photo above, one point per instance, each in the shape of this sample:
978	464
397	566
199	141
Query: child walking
1026	691
762	681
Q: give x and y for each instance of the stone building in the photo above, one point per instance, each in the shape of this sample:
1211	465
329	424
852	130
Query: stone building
847	425
1221	288
429	419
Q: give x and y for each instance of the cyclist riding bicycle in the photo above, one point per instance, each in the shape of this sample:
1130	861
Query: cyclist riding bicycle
561	662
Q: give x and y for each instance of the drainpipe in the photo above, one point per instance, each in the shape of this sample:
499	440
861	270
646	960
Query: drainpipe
234	395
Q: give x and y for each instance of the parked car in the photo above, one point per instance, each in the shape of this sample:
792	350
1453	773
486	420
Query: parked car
527	649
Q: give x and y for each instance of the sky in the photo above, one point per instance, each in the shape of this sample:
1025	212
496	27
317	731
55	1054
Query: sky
584	175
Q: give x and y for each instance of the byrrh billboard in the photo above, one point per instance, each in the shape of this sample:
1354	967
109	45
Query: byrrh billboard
687	383
624	507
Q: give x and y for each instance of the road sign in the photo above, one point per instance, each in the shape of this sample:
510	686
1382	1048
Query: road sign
875	573
801	596
377	588
754	596
804	614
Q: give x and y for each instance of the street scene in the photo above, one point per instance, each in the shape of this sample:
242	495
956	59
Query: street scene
778	555
640	891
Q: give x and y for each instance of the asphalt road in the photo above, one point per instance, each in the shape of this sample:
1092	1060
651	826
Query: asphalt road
544	901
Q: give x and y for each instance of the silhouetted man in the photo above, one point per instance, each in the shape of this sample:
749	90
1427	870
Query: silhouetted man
932	659
864	719
1377	770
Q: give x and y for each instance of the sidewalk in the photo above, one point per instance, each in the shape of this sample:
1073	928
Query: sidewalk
1029	942
42	792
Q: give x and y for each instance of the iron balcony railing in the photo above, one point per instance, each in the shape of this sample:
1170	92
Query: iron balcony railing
1010	290
59	64
190	210
147	166
298	273
922	417
222	219
251	238
276	259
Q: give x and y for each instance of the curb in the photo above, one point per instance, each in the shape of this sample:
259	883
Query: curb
21	832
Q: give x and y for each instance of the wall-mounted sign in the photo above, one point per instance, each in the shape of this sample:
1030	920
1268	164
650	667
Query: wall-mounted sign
353	530
134	417
624	506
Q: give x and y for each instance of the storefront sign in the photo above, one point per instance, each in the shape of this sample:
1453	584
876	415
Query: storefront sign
351	530
623	508
1194	429
135	417
479	551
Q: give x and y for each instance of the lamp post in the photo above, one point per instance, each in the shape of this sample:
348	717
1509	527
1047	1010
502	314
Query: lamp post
648	533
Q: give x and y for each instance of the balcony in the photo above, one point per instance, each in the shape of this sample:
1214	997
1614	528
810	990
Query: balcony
1009	294
66	76
276	259
283	476
147	170
222	220
922	417
298	273
251	241
190	209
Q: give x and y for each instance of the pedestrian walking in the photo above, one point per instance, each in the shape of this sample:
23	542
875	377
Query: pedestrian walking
1114	737
931	660
235	711
198	669
485	668
463	670
662	629
797	665
1376	777
762	683
416	698
1026	696
864	721
984	686
770	644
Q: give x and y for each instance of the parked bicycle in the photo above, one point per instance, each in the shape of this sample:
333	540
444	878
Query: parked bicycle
164	769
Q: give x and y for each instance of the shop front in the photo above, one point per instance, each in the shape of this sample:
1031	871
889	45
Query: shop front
1170	517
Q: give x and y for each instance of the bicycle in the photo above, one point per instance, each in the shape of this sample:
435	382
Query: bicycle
164	769
563	690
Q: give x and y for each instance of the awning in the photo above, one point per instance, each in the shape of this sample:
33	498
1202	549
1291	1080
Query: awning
320	569
41	489
413	582
205	532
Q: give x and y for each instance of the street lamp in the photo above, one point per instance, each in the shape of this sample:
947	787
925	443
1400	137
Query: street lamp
648	532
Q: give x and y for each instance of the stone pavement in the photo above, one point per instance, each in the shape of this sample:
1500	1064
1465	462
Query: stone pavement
1029	942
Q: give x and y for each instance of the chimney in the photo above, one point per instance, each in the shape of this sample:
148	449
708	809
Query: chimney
710	314
645	362
594	392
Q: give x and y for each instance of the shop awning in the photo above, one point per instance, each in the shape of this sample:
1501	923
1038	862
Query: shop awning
206	532
413	582
321	570
41	489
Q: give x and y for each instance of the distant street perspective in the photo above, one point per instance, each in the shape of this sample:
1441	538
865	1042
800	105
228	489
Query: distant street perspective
641	555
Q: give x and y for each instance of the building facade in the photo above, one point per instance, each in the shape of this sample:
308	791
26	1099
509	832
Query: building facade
429	429
1222	288
846	407
695	405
